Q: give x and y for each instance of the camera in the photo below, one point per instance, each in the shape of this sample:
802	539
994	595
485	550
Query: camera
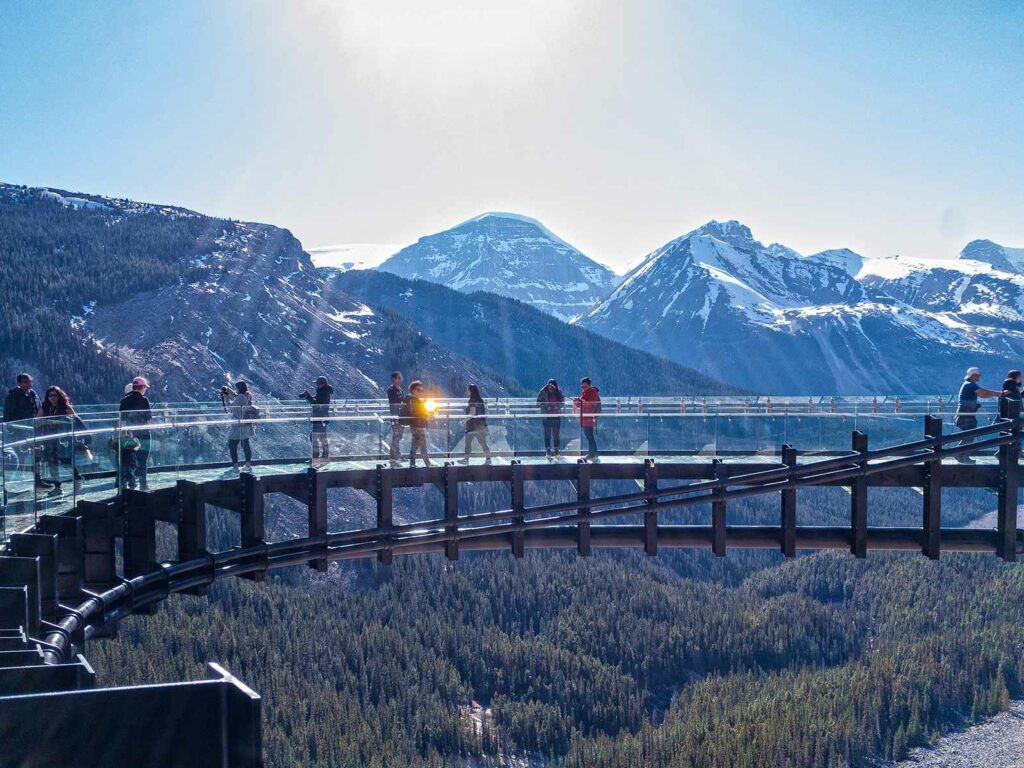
304	394
225	391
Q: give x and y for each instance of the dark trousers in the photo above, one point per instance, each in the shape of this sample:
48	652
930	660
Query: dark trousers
480	436
552	433
965	422
318	439
246	449
135	464
588	432
397	430
419	443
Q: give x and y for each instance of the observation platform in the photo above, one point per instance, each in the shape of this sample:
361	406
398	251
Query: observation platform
62	581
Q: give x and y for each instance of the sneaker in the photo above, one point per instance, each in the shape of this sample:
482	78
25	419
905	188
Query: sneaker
487	460
464	461
247	467
965	460
426	463
144	486
412	465
43	485
547	455
55	491
396	463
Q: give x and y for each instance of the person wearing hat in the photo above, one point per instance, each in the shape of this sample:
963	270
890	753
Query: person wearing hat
135	411
968	405
321	407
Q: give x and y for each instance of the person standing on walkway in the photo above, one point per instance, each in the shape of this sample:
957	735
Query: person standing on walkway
22	403
968	405
321	408
240	406
396	398
588	404
135	441
476	424
415	409
59	420
550	401
1012	386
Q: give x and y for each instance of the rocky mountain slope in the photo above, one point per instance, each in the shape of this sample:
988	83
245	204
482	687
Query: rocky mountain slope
235	300
769	318
523	343
512	256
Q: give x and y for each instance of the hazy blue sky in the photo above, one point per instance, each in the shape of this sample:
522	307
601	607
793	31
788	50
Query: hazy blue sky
888	127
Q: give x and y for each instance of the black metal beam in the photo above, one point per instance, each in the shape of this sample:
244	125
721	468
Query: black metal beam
518	505
788	507
385	509
859	501
651	515
1009	482
931	525
582	497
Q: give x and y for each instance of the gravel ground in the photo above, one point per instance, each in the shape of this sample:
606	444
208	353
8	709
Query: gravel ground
996	743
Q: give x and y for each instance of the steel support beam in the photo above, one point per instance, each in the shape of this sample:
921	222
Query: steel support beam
385	507
787	512
718	515
450	488
651	515
583	496
859	502
518	504
317	508
253	521
1009	482
931	542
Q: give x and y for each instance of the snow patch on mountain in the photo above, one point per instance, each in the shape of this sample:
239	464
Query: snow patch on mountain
342	258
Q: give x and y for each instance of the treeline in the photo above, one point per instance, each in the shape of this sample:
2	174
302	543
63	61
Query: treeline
54	260
617	660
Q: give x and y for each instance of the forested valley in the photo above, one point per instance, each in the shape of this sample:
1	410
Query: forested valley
616	660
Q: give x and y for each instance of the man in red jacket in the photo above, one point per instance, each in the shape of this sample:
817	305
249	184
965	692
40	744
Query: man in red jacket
589	405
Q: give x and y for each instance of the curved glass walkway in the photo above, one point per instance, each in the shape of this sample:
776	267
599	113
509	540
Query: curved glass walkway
49	464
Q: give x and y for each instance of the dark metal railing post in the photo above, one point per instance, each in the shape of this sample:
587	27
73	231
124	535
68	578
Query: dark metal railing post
450	488
253	520
317	488
788	507
385	503
191	525
518	535
718	515
583	496
932	506
859	501
1009	481
651	515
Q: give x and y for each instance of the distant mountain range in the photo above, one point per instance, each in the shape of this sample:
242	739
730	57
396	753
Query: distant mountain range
194	300
512	256
771	319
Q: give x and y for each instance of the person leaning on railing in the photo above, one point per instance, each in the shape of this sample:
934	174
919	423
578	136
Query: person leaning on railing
968	405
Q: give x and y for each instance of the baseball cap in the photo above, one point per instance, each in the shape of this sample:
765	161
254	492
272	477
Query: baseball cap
972	371
139	381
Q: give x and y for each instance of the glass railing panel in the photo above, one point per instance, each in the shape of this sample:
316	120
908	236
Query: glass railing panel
350	438
615	434
96	455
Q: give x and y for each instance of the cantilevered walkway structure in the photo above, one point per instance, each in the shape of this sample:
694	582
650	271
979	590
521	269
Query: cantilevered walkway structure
62	581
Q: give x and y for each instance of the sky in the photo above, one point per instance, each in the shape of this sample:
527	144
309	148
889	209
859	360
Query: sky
886	127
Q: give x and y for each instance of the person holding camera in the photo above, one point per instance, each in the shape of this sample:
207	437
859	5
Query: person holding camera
238	402
321	407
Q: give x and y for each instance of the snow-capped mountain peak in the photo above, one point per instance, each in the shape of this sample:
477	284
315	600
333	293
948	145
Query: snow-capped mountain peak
718	300
999	256
511	255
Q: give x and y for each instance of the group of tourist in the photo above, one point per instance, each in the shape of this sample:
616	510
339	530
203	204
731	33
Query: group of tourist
55	415
412	410
968	401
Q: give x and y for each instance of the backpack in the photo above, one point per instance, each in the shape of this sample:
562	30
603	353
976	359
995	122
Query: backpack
251	412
